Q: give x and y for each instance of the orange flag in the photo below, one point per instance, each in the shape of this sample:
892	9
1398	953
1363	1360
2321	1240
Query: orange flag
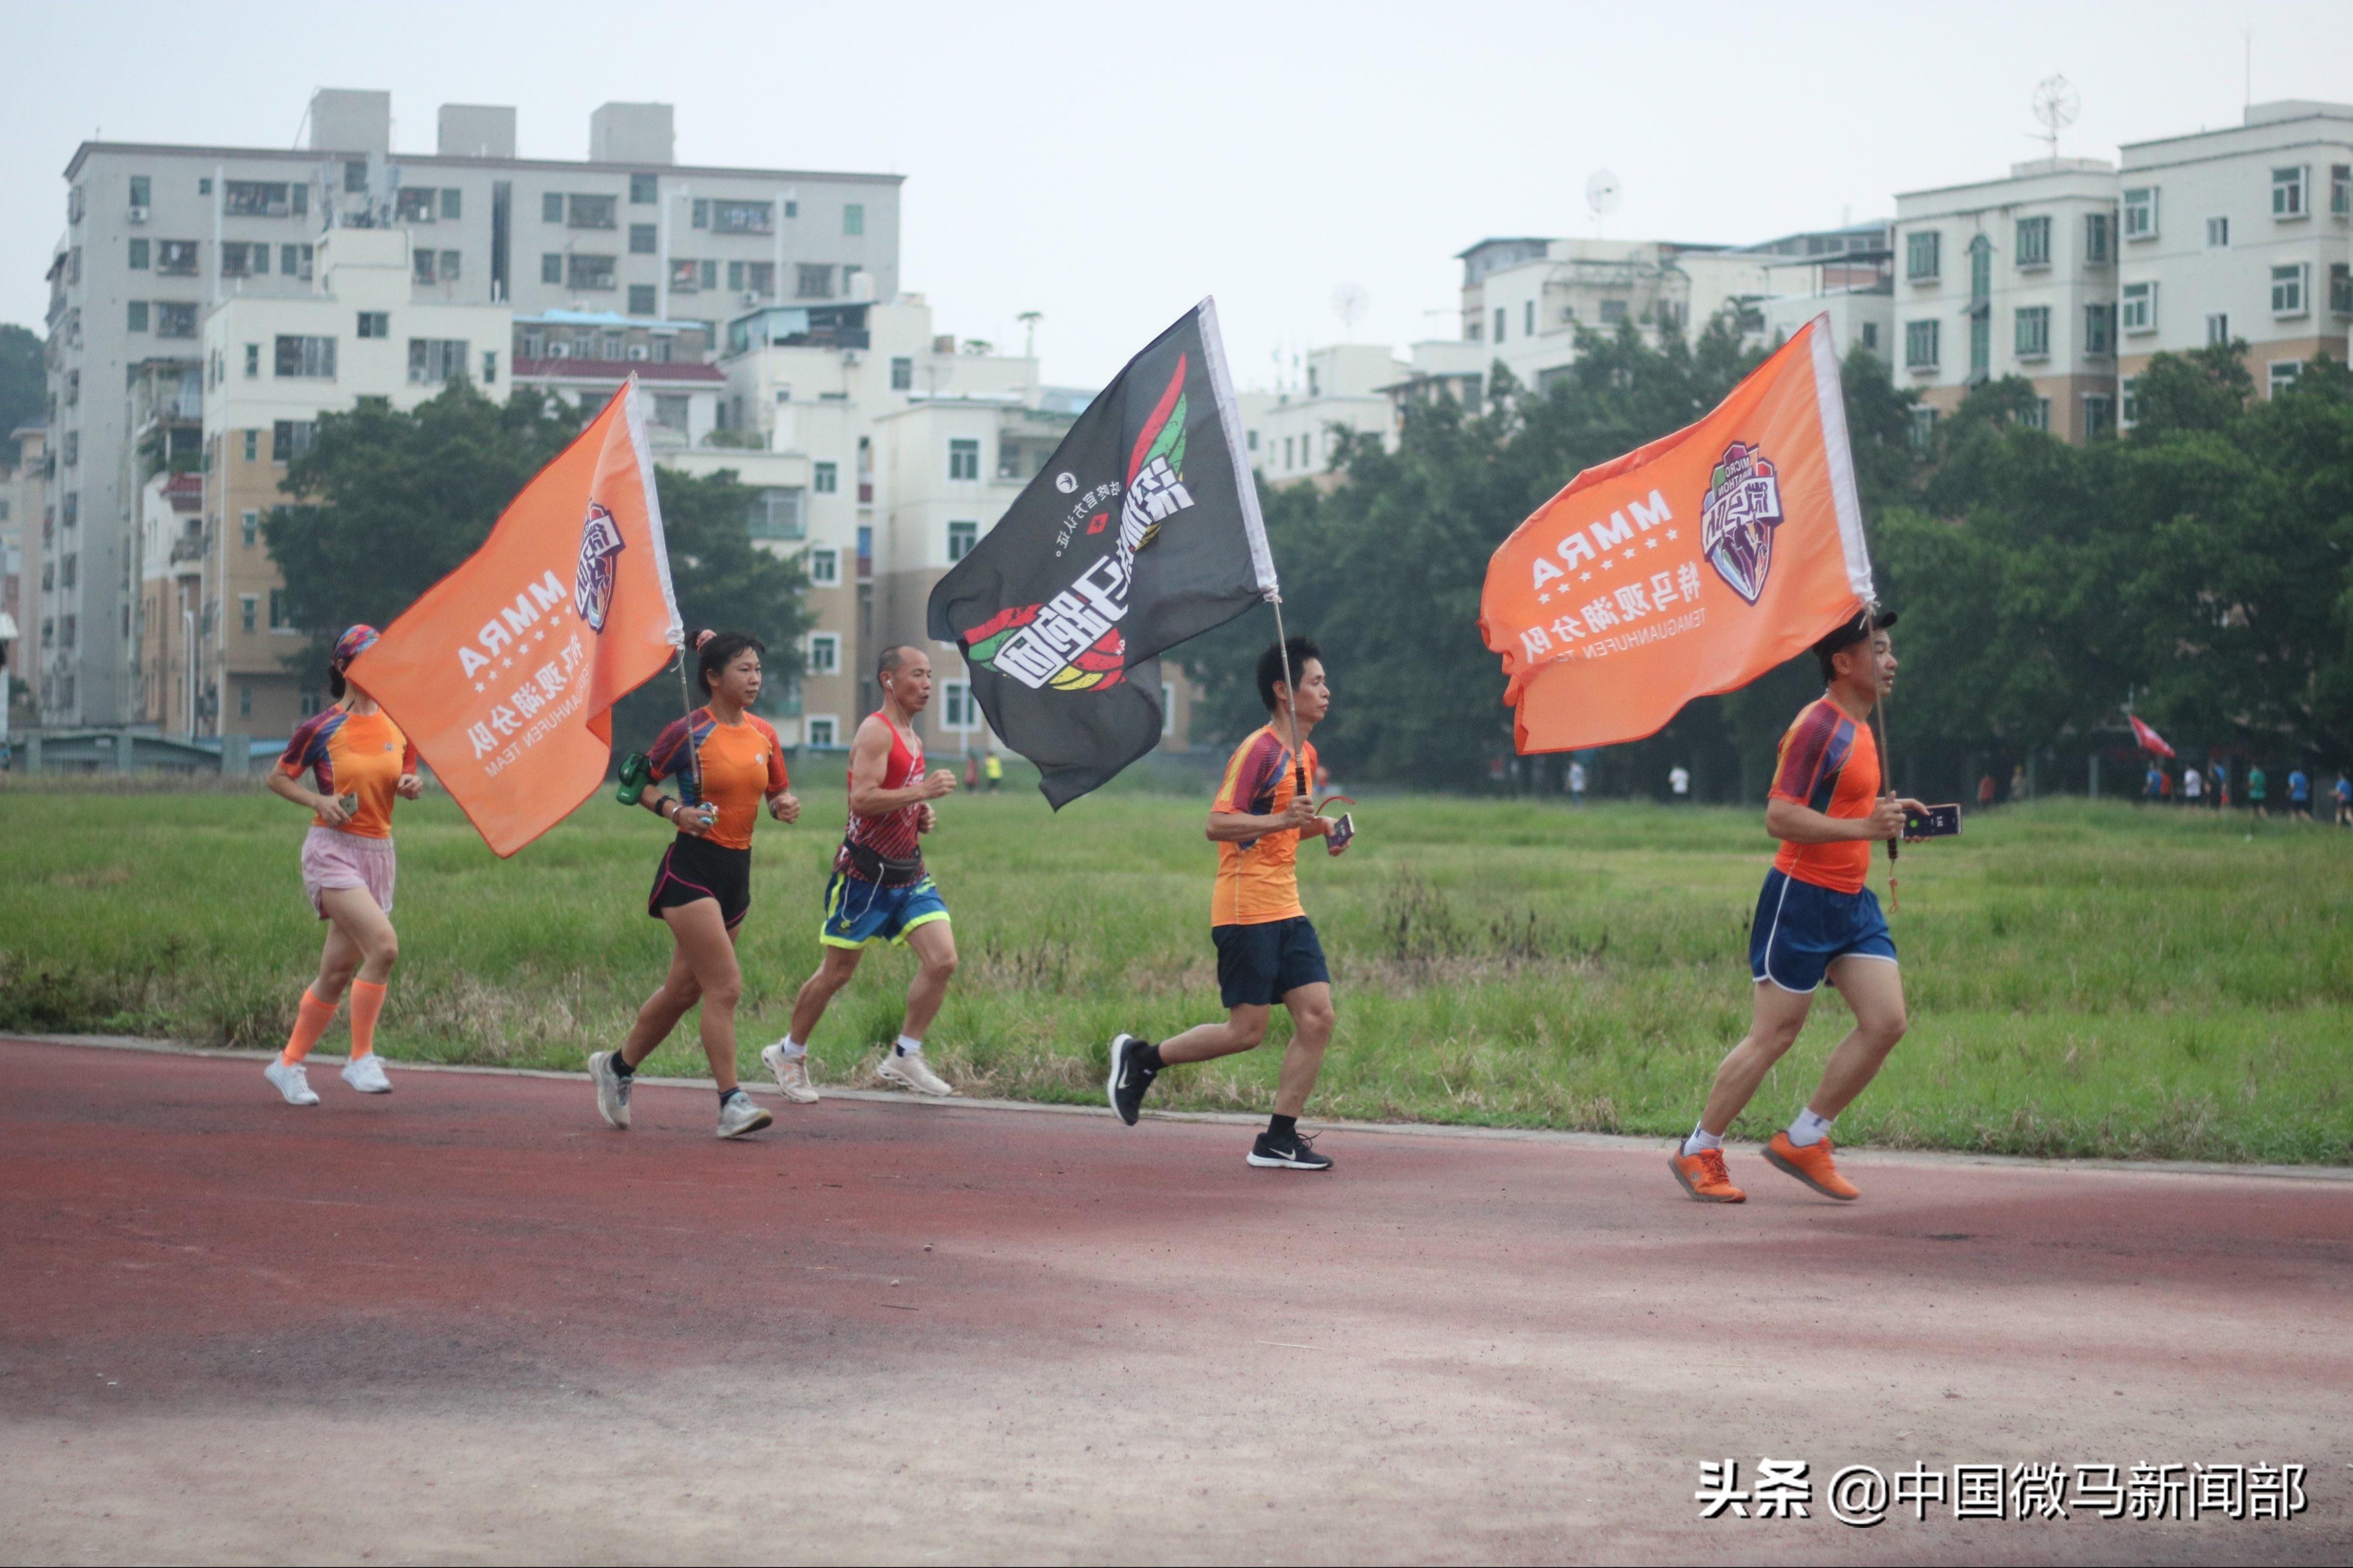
503	672
1686	567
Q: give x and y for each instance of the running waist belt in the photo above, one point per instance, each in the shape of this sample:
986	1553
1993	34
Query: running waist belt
881	869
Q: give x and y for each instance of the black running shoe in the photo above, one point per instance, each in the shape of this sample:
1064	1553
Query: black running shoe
1294	1152
1129	1077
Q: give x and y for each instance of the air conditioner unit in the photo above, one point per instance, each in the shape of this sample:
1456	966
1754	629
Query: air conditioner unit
751	297
138	214
640	351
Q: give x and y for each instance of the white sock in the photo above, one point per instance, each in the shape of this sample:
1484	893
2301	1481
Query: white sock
1809	1129
1702	1139
792	1051
910	1047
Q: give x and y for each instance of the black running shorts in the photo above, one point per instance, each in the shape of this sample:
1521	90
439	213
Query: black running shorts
1259	965
693	868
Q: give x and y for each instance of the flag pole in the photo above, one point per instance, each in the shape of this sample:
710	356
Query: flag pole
1291	701
686	692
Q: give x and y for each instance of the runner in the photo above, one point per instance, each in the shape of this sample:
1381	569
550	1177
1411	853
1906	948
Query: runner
1815	917
2299	794
726	761
1267	951
879	891
361	761
2344	794
2258	790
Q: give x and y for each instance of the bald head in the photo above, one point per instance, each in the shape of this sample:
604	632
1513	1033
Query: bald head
904	673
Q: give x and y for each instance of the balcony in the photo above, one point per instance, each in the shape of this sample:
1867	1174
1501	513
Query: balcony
188	548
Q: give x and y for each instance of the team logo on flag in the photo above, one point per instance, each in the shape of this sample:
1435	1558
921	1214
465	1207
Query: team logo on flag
1072	641
1737	519
592	583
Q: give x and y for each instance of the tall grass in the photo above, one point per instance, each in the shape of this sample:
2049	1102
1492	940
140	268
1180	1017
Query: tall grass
2084	979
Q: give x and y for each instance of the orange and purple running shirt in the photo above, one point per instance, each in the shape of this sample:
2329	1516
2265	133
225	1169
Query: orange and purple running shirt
353	754
1257	882
1830	766
742	764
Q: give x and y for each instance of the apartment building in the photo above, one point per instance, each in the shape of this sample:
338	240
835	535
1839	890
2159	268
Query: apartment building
371	327
1846	275
158	235
24	486
174	613
1294	434
2013	277
2241	235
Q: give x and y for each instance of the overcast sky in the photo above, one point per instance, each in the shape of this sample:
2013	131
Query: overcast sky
1108	165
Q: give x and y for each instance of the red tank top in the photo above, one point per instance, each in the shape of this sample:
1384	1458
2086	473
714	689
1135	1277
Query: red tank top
892	835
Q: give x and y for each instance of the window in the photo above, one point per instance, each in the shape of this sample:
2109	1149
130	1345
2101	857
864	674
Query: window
673	411
958	711
1528	320
449	267
433	361
252	454
2099	242
2340	289
827	478
2340	189
591	212
176	258
421	263
1500	319
1288	443
244	697
254	198
355	176
779	513
135	316
641	299
249	613
814	282
2034	242
853	218
1923	256
589	271
375	323
1920	344
824	653
2033	337
963	459
244	260
551	269
744	217
645	190
550	207
279	620
2287	192
902	373
415	204
2128	392
962	537
2283	375
253	361
753	277
2218	328
2137	312
2099	415
1980	267
290	438
141	187
2099	331
175	318
820	734
2288	289
304	356
824	568
2218	233
2140	213
294	261
138	255
252	520
643	239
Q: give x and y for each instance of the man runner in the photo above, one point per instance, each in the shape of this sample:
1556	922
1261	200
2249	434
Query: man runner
1815	917
880	890
1267	951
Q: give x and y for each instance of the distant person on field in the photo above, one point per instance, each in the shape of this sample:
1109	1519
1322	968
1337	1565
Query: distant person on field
1575	783
972	773
2299	794
1816	919
2258	788
993	769
361	762
2344	794
2017	781
1984	793
2192	786
1679	783
2222	782
1267	951
2152	784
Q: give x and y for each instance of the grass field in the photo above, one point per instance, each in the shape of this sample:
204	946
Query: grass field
2084	979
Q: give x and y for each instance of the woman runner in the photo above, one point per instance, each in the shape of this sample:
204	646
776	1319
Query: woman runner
726	761
361	761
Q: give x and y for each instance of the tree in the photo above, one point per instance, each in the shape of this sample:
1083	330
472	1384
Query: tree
2202	390
24	383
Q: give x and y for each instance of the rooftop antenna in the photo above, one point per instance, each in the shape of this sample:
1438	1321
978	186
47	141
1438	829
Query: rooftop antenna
1030	320
1602	195
2056	105
1350	303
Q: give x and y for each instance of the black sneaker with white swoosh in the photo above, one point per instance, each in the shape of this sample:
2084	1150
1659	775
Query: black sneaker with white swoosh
1288	1151
1129	1077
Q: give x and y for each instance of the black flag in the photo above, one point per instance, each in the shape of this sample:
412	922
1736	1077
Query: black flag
1142	531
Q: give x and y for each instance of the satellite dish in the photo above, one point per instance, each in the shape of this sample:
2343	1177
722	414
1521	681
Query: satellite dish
2056	105
1603	193
1350	303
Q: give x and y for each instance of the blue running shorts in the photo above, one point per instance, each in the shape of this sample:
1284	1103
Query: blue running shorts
1801	929
858	911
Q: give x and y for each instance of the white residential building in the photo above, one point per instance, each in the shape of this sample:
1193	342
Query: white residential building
28	612
1846	274
2012	277
1296	435
2241	235
158	234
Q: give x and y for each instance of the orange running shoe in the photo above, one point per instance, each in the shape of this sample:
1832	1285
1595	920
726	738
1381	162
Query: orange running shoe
1703	1177
1811	1166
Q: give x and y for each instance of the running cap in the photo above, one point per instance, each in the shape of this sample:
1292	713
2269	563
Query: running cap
1852	632
351	644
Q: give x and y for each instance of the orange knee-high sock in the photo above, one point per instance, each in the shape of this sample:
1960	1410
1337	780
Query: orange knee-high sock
367	1001
310	1020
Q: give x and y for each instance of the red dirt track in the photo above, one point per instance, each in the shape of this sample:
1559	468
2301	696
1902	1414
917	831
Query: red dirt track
469	1322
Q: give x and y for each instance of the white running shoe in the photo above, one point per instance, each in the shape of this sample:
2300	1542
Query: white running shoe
914	1073
792	1074
365	1074
738	1114
290	1080
612	1090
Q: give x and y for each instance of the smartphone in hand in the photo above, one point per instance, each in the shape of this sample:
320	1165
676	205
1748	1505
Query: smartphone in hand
1937	822
1337	837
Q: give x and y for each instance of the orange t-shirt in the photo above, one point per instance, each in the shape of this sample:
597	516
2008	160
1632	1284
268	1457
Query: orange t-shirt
353	754
1258	881
742	764
1830	766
